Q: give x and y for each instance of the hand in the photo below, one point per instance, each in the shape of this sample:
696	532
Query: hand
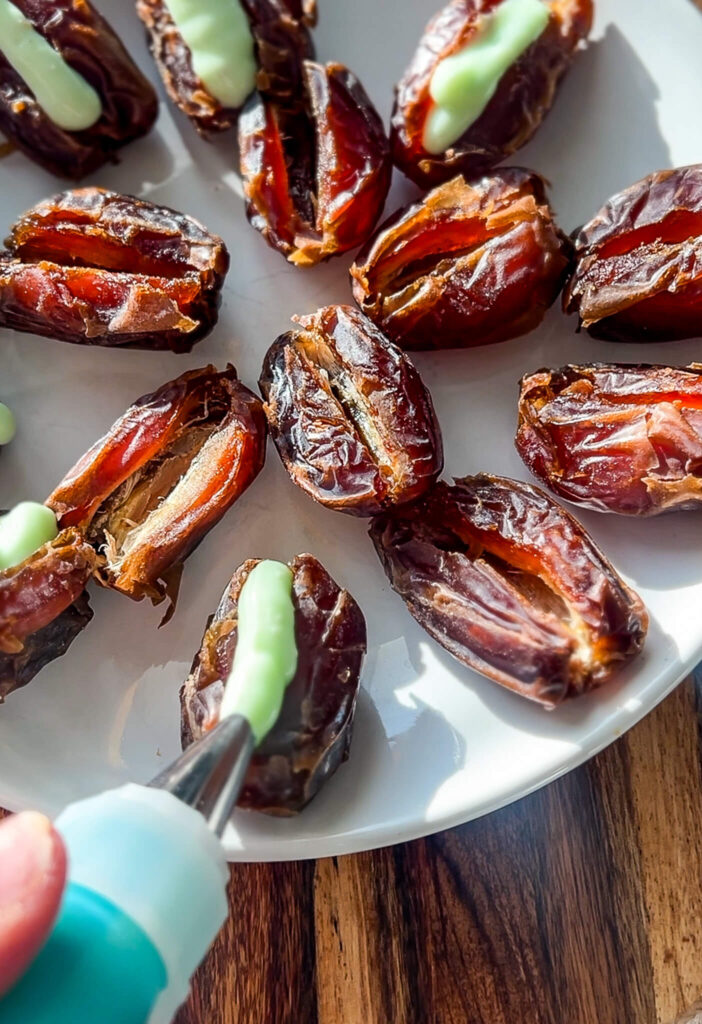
32	878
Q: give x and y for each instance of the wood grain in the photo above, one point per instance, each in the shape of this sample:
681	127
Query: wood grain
580	904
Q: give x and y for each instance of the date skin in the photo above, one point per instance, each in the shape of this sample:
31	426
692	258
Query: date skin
349	414
312	736
469	264
615	438
165	473
93	267
89	45
523	98
316	170
280	30
638	270
43	607
511	585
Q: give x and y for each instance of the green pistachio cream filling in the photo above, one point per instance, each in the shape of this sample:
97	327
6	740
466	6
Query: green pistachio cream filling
265	659
462	85
64	95
24	530
8	426
221	45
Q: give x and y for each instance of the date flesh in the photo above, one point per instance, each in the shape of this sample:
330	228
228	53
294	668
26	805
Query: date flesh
469	264
94	267
510	584
89	45
615	438
316	169
312	736
280	30
349	414
165	473
638	271
524	96
43	607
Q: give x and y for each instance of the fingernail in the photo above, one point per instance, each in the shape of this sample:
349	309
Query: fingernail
26	847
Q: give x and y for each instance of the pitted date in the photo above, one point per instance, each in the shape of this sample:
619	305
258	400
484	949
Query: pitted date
316	171
638	271
43	607
352	420
164	474
510	584
524	95
615	438
89	45
280	30
469	264
94	267
312	735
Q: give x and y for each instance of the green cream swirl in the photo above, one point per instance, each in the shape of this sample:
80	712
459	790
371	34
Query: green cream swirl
265	659
8	427
23	531
462	85
218	35
64	95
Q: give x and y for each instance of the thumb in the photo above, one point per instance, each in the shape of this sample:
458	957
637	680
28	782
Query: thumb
32	878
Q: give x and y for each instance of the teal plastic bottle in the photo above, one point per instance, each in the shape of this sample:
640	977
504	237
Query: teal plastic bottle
145	898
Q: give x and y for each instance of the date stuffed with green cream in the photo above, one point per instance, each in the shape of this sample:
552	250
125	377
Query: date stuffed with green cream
312	734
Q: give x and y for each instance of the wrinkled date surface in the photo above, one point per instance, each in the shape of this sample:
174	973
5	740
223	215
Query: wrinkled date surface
523	97
638	275
87	44
349	414
43	607
280	30
164	474
97	268
469	264
615	438
511	585
313	733
316	171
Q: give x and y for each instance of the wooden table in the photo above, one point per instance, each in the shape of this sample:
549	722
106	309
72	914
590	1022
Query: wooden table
581	904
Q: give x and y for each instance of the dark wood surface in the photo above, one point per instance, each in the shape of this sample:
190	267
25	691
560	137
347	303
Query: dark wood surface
581	904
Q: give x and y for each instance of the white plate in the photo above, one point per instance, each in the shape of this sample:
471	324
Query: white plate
434	744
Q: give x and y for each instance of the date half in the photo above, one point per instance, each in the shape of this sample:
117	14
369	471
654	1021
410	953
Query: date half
282	41
524	94
316	171
469	264
164	474
350	416
88	45
615	438
43	607
93	267
313	733
638	270
510	584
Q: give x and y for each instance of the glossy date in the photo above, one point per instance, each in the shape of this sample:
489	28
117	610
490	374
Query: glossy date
313	733
615	438
469	264
352	421
523	97
164	474
638	270
43	607
511	585
316	170
89	45
93	267
280	30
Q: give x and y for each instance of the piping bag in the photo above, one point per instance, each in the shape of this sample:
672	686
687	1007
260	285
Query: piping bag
146	892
